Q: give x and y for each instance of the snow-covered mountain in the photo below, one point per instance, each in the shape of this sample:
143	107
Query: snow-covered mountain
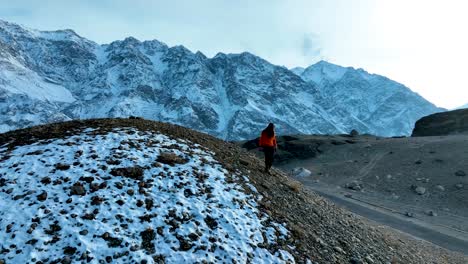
367	102
462	107
49	76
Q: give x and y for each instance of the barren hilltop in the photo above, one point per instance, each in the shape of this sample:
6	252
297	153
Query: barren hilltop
131	190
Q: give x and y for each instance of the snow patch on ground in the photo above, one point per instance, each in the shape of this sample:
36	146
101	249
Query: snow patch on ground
114	197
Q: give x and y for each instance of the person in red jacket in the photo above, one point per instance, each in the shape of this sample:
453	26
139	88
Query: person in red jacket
268	144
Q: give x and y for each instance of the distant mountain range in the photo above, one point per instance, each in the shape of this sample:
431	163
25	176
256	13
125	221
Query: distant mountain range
462	107
49	76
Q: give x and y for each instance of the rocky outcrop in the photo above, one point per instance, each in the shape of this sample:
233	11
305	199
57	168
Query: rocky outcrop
443	124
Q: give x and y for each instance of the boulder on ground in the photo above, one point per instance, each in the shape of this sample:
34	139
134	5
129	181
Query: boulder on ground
431	213
301	172
354	186
354	133
420	190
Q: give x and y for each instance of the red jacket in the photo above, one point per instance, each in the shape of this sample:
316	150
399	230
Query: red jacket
266	141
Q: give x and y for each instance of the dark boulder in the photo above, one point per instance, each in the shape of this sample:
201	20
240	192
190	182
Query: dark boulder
442	124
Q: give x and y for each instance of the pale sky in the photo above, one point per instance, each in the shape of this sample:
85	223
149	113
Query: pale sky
420	43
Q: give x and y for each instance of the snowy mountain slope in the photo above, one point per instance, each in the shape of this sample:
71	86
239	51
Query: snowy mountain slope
462	107
368	102
231	96
129	196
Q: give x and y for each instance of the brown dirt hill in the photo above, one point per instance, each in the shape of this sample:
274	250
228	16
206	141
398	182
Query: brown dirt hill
442	124
321	231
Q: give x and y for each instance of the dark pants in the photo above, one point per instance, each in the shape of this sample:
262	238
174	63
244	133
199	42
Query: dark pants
269	154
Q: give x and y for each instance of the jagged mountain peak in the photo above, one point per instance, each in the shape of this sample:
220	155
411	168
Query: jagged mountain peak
323	71
17	32
231	96
297	70
201	55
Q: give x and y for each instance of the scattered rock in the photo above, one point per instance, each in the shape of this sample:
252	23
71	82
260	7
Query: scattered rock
87	179
66	260
459	186
420	190
61	166
88	216
431	213
355	260
147	238
244	162
301	172
42	197
111	241
113	162
185	245
149	203
339	250
409	214
46	180
211	222
170	158
129	172
460	173
53	229
69	250
440	188
354	186
37	152
96	200
369	259
77	189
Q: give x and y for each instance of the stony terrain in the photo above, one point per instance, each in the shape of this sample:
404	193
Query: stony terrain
51	76
194	198
417	178
129	196
442	124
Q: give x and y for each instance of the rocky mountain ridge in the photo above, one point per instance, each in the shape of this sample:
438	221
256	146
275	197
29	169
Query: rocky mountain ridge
367	102
50	76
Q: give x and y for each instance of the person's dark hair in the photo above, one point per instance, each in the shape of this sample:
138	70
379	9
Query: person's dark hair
270	130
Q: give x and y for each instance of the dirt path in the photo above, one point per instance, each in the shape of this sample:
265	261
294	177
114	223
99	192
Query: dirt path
408	227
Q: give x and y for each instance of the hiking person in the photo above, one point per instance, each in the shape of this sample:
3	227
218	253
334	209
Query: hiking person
268	144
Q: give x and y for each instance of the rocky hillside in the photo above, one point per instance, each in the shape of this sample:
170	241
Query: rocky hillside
442	124
132	190
50	76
